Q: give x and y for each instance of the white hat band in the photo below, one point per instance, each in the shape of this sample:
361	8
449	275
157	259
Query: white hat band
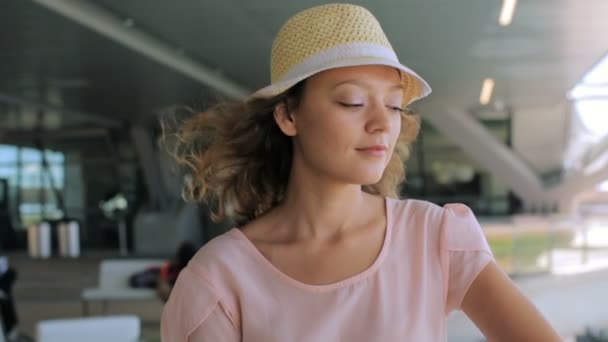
341	52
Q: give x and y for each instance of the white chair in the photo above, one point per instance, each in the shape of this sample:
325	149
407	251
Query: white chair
123	328
114	282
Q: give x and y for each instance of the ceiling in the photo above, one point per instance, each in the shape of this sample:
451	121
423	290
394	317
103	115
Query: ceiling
453	44
60	65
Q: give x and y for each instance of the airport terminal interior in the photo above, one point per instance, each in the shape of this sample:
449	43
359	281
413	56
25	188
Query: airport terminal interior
91	202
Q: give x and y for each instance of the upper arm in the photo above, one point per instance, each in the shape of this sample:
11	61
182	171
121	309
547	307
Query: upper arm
217	327
194	312
464	252
502	312
477	286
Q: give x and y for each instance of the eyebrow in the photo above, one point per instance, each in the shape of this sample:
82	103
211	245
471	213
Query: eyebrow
365	85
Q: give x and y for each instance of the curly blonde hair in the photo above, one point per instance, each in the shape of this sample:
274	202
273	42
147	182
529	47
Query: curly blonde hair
238	160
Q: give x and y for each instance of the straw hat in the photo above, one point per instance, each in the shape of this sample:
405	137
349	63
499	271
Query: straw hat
331	36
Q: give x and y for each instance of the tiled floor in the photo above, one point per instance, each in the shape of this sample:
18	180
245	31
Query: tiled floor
50	289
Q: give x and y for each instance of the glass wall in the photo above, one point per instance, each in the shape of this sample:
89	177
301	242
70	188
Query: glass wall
35	183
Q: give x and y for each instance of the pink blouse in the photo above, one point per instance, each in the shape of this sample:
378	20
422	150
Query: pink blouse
230	292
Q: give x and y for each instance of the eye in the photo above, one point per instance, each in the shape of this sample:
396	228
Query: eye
397	109
350	105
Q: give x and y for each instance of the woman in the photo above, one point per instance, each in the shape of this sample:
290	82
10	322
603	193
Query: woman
309	167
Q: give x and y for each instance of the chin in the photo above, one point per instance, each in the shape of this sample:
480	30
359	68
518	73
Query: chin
369	178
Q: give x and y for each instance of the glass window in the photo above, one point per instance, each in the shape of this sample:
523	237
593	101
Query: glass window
603	186
54	157
37	198
590	98
8	154
30	155
590	125
594	115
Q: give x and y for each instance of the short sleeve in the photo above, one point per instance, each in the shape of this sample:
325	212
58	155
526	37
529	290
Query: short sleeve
217	328
465	251
194	312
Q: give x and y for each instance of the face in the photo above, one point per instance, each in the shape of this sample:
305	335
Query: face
347	123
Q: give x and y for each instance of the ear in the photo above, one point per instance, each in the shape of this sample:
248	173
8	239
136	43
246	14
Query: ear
285	119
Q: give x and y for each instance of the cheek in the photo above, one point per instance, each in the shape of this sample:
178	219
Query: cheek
395	129
316	139
331	131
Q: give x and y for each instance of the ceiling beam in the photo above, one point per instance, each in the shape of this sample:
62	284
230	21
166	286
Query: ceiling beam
468	133
597	156
106	23
589	176
41	105
27	136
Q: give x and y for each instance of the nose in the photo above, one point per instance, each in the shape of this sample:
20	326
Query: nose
379	118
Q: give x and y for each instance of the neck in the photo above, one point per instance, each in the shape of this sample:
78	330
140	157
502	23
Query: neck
320	209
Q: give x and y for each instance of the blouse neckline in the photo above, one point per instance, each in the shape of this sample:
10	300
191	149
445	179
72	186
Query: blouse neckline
324	287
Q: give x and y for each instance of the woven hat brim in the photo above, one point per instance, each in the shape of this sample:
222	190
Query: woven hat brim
277	88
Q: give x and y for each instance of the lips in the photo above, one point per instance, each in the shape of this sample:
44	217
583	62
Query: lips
374	150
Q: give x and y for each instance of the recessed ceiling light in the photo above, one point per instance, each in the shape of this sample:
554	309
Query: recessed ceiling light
487	89
507	12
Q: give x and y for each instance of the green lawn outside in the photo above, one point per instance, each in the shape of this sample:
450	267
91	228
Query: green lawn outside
519	251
